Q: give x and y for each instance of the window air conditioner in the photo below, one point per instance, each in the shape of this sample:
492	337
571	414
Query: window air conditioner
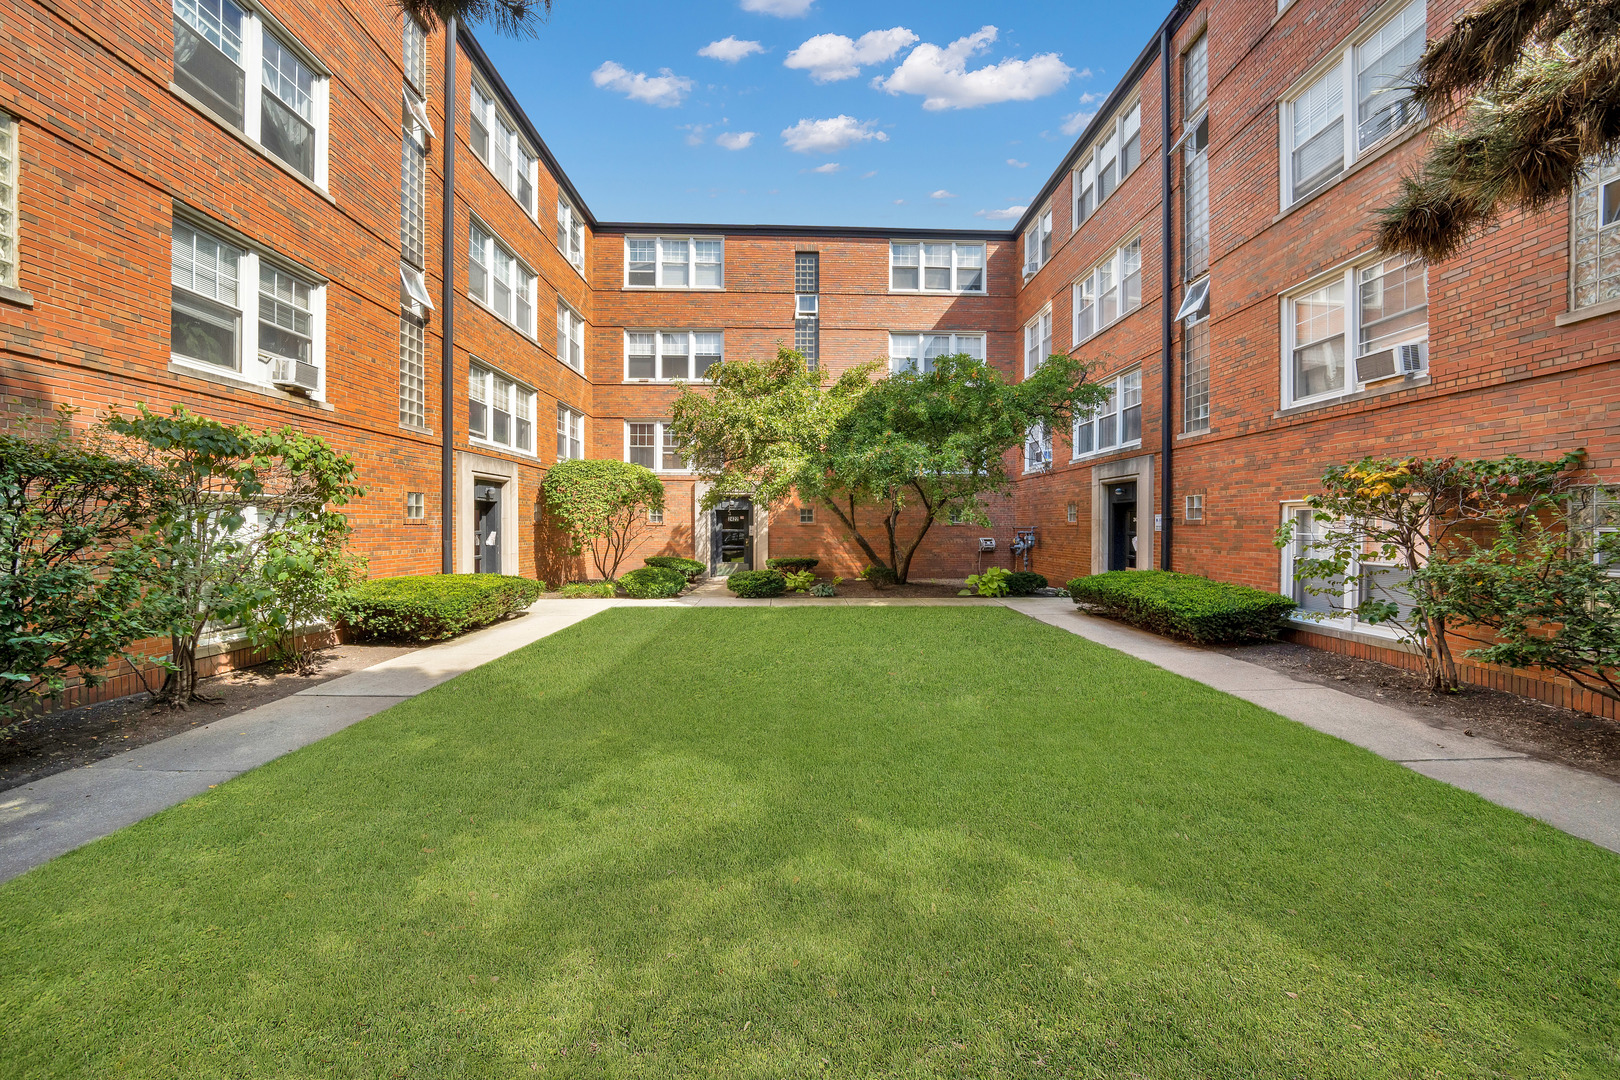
1414	356
1376	366
290	373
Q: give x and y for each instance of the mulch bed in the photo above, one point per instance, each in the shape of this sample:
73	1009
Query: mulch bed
855	588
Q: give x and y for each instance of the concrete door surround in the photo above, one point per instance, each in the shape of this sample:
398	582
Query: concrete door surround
1140	470
481	468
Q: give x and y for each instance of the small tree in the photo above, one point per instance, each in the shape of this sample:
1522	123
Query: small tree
237	495
79	574
305	570
924	442
601	507
1422	515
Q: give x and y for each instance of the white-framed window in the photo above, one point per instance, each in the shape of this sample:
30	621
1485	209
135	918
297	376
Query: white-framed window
496	279
272	334
1072	513
651	443
671	355
415	504
9	167
1594	515
1373	313
1322	137
1595	236
674	262
1038	243
570	337
807	515
265	85
570	433
1037	340
917	352
1115	155
1193	512
496	141
1112	289
655	517
412	372
499	411
1037	448
1366	578
936	266
1116	423
570	233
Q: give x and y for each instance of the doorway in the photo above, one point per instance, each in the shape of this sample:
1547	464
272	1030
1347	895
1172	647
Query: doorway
733	546
486	528
1122	525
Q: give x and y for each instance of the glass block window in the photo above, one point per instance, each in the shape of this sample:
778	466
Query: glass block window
807	272
8	201
415	53
1595	236
415	504
807	515
412	186
1195	376
1194	79
412	372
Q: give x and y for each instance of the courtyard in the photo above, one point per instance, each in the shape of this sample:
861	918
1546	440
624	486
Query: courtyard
819	841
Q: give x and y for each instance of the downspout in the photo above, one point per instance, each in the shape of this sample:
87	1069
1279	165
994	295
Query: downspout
447	306
1167	439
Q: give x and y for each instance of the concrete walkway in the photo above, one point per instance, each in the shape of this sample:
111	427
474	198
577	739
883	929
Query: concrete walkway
56	814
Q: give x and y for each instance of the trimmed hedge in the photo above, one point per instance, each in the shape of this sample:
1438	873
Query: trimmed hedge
1025	583
790	564
431	607
689	567
757	584
1184	605
588	590
652	583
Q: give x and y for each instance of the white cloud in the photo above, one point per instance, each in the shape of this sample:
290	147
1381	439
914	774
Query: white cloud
1007	213
830	167
868	175
694	133
785	9
942	78
729	50
666	89
899	202
1015	163
942	194
1075	122
831	135
735	140
830	57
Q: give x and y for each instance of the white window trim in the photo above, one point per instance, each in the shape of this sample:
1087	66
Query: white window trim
1039	235
1085	172
572	415
659	427
1347	621
956	268
922	335
1045	439
1116	392
569	218
1041	321
533	156
691	263
576	327
518	387
1115	261
1347	272
10	176
658	352
532	333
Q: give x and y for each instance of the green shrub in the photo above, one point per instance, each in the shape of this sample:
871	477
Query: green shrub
757	584
825	588
789	563
1025	583
653	583
798	580
1184	605
690	567
430	607
880	577
993	582
588	590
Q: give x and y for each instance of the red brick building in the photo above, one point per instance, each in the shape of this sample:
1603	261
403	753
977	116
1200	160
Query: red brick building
1209	249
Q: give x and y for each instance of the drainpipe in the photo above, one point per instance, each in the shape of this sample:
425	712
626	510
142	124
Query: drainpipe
447	308
1167	439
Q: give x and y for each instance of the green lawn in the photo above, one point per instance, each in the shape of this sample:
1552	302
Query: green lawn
819	842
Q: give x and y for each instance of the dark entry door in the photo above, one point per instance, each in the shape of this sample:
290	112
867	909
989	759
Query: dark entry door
733	537
1122	526
486	528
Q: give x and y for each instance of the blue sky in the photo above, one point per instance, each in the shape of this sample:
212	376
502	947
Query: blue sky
817	112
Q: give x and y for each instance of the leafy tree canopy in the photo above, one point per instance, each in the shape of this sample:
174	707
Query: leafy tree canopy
601	507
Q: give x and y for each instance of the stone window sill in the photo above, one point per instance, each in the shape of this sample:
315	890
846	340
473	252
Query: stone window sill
1388	386
20	297
231	379
1608	307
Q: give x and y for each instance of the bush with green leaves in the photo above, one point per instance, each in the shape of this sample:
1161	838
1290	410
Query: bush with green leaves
825	589
690	567
588	590
798	580
1184	605
653	583
601	507
879	576
431	607
757	584
306	571
991	582
1025	583
789	563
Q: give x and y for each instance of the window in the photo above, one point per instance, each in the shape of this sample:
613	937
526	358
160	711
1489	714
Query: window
1319	140
496	141
216	45
412	372
1194	513
955	516
497	280
1073	513
570	337
806	272
807	515
807	306
413	146
1376	312
415	504
1595	239
1117	153
1194	79
671	354
1037	448
917	352
1112	289
1038	243
499	410
1037	341
207	321
570	434
570	233
287	327
1195	195
414	52
807	339
1366	578
653	445
675	262
655	517
1114	424
8	202
936	267
1594	516
1195	376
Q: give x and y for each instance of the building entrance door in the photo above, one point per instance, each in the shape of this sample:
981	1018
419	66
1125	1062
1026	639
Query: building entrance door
1122	525
733	545
487	528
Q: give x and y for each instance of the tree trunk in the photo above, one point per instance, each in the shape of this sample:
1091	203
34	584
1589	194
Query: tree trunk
180	687
903	570
849	523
